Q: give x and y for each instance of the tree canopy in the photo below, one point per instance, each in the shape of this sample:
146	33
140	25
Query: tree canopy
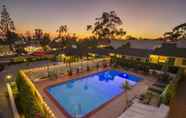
177	33
107	26
6	23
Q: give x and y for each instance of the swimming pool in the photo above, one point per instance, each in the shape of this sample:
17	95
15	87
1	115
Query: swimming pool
86	94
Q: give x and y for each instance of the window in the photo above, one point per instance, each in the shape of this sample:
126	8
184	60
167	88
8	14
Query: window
162	59
153	58
171	61
184	62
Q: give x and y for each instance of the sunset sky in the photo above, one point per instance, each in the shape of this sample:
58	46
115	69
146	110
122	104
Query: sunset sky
141	18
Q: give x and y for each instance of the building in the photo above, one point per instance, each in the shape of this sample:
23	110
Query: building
169	53
134	53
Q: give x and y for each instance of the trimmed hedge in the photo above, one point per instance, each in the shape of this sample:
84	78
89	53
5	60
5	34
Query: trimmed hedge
143	66
22	59
27	99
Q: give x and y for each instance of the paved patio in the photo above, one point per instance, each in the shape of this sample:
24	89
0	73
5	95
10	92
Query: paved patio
111	110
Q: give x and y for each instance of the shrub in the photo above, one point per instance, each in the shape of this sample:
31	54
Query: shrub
168	94
69	72
88	68
19	59
143	66
27	99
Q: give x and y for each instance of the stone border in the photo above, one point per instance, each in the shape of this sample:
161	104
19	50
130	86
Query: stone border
12	102
91	113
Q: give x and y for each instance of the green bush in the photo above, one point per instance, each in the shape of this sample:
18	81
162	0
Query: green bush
168	94
138	65
70	72
19	59
27	99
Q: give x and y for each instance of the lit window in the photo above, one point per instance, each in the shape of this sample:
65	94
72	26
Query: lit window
162	59
184	62
153	58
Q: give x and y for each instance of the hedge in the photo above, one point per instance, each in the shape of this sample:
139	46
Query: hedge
27	99
138	65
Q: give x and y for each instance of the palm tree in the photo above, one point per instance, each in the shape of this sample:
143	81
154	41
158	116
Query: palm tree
62	30
126	87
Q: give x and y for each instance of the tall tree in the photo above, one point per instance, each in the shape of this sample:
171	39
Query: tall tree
46	39
106	26
28	37
178	32
89	27
38	34
6	23
62	30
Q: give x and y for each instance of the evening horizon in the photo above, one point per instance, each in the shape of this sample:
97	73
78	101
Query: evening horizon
147	19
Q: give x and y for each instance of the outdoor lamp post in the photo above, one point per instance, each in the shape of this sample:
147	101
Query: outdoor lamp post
8	78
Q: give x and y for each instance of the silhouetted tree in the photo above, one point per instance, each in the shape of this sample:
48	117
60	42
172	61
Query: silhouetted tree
131	38
171	36
7	27
106	26
38	34
46	39
62	30
28	37
120	33
89	27
7	24
178	32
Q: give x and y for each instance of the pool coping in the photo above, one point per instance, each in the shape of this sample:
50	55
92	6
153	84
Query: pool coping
66	114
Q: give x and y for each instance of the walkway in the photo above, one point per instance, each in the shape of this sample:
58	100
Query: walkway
5	111
178	105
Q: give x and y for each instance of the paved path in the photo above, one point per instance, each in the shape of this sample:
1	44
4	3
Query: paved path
178	105
5	110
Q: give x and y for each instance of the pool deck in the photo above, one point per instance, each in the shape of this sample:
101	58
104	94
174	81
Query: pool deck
111	109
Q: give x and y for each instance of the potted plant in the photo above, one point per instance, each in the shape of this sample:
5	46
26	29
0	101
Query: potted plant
97	66
77	70
88	68
70	72
126	87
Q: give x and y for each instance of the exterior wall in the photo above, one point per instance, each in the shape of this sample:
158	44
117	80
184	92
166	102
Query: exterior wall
179	62
142	59
158	59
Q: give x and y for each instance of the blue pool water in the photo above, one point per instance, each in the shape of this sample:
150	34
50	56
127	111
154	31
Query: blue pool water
83	95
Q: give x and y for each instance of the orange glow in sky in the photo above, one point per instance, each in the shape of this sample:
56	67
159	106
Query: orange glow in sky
141	18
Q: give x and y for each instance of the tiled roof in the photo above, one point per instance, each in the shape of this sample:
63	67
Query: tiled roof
134	52
170	51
